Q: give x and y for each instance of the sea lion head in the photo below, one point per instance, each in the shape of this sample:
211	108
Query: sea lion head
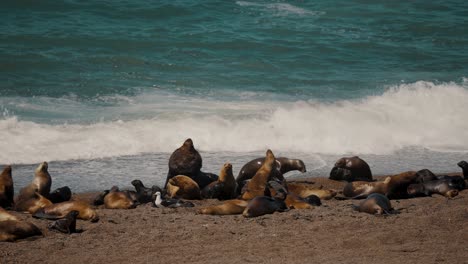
463	164
42	167
188	144
137	183
341	163
300	165
7	169
227	167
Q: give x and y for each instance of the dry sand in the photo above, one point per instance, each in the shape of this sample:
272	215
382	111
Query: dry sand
428	230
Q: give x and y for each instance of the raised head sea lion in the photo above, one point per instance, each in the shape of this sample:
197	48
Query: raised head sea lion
65	225
31	202
262	205
284	164
184	161
42	179
441	187
169	203
361	189
182	186
229	207
464	165
117	199
351	169
303	190
256	186
59	195
12	229
375	203
60	210
224	188
6	188
144	194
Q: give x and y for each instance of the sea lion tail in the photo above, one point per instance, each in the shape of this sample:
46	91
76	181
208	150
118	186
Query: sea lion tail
40	213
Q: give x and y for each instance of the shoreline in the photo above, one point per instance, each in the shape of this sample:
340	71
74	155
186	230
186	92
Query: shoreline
427	230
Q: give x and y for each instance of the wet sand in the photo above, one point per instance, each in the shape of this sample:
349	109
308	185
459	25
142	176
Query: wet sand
427	230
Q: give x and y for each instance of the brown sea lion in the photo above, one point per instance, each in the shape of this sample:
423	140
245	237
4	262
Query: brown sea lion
31	203
6	188
144	194
262	205
12	229
65	225
224	188
441	187
303	190
117	199
361	189
184	161
285	165
60	210
397	187
292	201
59	195
229	207
464	165
42	179
99	199
256	186
184	187
352	169
375	203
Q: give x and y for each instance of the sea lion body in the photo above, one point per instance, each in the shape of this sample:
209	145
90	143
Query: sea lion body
60	210
31	203
425	175
184	161
6	188
65	225
182	186
285	165
361	189
42	179
262	205
117	199
256	186
303	190
351	169
61	194
144	194
224	188
464	165
441	187
375	203
229	207
397	187
12	230
456	182
5	215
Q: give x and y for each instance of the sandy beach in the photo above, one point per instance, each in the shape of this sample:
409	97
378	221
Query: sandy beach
427	230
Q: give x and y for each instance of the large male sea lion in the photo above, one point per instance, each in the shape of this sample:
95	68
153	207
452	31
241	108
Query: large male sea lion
351	169
228	207
6	188
182	186
12	229
441	187
256	186
375	203
224	188
284	164
60	210
117	199
184	161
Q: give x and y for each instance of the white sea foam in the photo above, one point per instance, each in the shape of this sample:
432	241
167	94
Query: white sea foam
421	114
282	9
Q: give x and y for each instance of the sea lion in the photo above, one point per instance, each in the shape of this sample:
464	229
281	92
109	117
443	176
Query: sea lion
441	187
397	186
169	203
184	161
454	181
99	200
31	203
303	190
352	169
117	199
224	188
425	175
144	194
285	165
65	225
182	186
59	195
12	229
262	205
292	201
60	210
375	203
256	186
313	200
6	188
464	165
42	179
228	207
361	189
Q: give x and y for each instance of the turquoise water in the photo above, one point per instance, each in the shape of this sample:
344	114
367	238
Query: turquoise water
87	83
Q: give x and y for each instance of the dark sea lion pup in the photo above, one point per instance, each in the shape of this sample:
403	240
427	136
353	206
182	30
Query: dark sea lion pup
61	194
144	194
184	161
6	188
464	165
351	169
375	203
65	225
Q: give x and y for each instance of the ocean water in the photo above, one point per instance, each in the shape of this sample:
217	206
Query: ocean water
106	90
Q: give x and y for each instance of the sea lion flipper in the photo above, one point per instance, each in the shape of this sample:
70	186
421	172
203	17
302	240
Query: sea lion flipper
42	215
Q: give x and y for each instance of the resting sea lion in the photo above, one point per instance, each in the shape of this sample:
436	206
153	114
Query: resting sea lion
224	188
117	199
5	215
99	200
60	210
256	186
292	201
397	187
464	165
144	194
31	203
351	169
375	203
441	187
229	207
456	182
6	188
12	229
184	161
425	175
361	189
184	187
285	165
261	205
304	189
61	194
65	225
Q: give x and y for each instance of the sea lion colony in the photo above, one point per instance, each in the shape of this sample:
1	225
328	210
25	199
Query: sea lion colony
259	189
